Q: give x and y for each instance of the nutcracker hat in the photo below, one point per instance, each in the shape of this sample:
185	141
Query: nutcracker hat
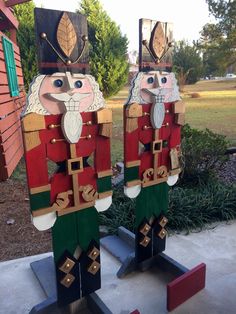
62	41
155	45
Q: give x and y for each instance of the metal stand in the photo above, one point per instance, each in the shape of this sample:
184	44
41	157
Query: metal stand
187	282
44	271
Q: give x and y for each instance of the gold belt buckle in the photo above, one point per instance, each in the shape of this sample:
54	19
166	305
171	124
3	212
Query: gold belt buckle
156	146
75	165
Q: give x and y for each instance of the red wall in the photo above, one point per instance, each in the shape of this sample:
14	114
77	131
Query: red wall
11	148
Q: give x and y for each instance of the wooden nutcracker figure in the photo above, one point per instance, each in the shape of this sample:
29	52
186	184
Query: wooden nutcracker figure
66	123
153	117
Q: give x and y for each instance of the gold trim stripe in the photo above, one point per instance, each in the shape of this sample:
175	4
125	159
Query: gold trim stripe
40	189
105	194
105	173
42	211
63	211
133	183
134	163
154	182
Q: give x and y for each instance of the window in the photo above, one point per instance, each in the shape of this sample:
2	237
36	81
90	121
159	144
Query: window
10	66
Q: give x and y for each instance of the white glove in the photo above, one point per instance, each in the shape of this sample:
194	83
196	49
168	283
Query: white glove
103	203
45	221
132	191
172	179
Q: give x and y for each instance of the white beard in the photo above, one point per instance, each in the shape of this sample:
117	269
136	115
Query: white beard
157	115
72	124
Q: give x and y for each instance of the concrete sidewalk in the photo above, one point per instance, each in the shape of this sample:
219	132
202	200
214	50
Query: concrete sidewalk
20	290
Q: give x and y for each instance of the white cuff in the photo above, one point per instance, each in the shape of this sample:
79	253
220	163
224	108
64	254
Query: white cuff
132	191
45	221
103	203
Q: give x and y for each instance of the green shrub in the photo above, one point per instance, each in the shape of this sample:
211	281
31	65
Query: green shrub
121	212
203	152
192	208
189	208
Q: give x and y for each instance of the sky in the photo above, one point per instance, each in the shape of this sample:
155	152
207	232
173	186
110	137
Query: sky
187	16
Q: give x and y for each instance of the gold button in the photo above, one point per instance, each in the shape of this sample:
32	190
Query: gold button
167	124
144	42
89	123
167	111
53	141
43	35
51	126
89	136
94	267
68	280
94	253
68	62
145	127
67	265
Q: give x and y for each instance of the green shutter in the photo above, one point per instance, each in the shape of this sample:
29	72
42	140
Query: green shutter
10	66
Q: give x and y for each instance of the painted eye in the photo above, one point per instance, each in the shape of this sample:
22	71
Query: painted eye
58	83
164	80
78	84
150	80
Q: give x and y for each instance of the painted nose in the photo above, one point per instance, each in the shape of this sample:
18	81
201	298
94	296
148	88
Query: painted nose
156	81
69	81
70	92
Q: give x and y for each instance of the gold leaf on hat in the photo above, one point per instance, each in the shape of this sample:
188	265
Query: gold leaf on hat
158	41
66	35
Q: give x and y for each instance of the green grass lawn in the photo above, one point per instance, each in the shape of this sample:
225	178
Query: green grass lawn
214	109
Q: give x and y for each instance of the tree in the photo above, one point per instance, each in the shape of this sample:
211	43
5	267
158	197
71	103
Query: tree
26	40
187	63
218	41
108	48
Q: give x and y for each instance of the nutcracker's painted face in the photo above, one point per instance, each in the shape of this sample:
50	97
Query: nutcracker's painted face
161	82
147	85
67	94
61	92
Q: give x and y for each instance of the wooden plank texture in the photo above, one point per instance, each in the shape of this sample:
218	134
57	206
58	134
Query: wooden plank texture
5	98
11	144
4	89
10	152
11	3
5	135
4	70
15	137
9	15
16	48
10	106
9	120
14	161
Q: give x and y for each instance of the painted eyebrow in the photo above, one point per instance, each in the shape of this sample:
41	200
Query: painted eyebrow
58	74
77	75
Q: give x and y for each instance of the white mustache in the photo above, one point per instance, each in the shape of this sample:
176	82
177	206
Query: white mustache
71	102
67	97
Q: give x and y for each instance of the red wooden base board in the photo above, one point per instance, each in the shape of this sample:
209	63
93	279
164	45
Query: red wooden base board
185	286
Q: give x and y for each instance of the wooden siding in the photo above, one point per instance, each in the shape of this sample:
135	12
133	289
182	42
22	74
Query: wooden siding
11	147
